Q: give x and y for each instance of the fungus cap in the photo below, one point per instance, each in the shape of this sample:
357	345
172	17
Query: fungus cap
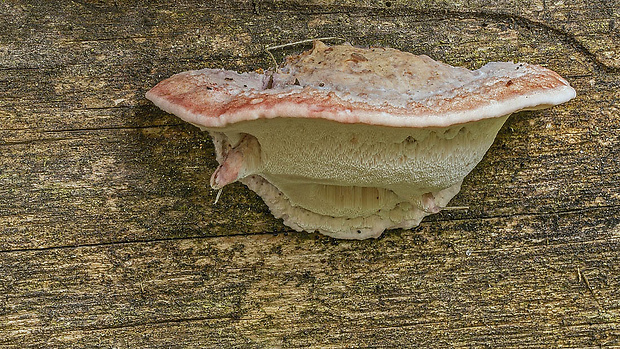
351	141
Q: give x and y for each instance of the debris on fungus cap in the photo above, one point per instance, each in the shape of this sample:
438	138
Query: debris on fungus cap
350	141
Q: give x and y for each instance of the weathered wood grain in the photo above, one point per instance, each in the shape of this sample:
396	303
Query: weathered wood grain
409	287
109	236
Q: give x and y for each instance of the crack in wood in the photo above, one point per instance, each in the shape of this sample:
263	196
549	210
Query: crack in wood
446	14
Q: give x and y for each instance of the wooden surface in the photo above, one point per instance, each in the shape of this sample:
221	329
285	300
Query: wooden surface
109	236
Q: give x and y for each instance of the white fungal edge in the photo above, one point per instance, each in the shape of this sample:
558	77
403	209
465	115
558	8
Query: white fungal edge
359	228
531	101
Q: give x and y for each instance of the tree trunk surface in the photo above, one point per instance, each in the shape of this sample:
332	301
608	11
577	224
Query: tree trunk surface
109	236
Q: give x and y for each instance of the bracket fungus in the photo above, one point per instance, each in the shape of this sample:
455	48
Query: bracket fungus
350	141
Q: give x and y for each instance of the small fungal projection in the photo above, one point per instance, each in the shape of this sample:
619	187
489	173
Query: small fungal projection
349	141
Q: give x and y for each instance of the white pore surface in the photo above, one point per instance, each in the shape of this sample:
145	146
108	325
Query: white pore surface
355	181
